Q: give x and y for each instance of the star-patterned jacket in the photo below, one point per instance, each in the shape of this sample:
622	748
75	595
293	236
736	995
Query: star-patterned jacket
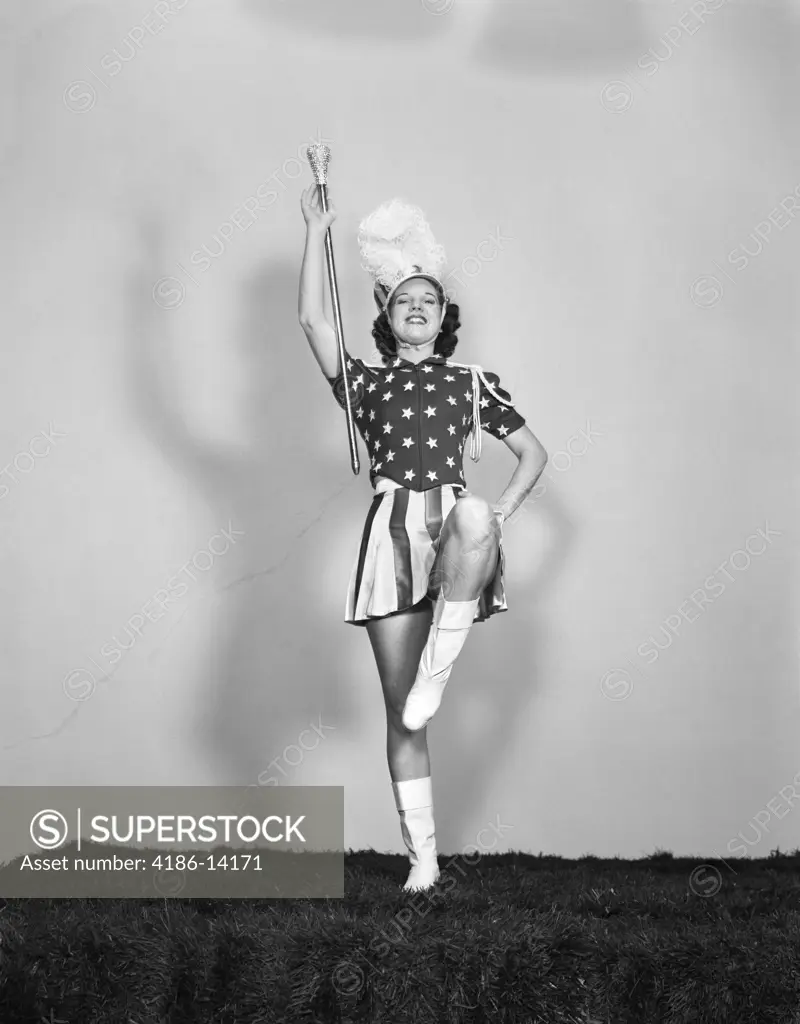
415	418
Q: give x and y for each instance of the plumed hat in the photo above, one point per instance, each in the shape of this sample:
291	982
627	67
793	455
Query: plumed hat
396	244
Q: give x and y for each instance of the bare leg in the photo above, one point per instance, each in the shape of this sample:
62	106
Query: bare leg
468	549
397	643
466	560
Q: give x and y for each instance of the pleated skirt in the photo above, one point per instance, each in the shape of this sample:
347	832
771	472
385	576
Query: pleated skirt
396	564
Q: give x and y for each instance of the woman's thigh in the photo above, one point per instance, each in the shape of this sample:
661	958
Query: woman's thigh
468	546
397	643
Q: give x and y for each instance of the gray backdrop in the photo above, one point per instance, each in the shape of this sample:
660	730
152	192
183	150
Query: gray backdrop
176	476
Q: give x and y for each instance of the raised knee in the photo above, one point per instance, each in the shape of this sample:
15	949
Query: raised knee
471	507
473	517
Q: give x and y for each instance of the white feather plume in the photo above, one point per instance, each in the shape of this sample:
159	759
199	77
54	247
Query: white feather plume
394	240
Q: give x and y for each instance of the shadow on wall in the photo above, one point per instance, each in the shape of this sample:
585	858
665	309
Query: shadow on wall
547	36
269	670
271	667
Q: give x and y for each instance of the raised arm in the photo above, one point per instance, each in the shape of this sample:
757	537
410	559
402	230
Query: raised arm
311	311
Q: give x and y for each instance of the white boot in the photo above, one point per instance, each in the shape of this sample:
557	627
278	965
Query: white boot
449	629
414	800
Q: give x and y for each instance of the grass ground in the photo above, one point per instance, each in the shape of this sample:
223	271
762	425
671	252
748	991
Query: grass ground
535	940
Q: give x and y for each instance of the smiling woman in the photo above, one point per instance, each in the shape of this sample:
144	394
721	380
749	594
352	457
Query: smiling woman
390	328
430	560
417	305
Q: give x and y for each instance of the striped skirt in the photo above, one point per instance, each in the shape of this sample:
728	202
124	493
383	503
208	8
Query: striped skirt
394	568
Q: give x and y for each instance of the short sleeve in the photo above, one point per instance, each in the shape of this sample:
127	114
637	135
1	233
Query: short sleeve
497	419
356	374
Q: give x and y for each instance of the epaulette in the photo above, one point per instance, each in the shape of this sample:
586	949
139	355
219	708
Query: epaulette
475	368
477	376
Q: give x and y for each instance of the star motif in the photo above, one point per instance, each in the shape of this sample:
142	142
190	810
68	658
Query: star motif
502	431
448	463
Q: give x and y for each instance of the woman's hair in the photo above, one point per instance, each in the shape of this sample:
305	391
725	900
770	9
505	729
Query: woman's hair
445	344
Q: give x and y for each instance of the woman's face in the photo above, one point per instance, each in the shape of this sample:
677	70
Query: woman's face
415	312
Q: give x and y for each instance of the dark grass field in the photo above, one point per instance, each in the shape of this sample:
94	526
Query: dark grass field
538	940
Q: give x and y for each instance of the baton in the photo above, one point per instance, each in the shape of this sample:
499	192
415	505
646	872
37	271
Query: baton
318	156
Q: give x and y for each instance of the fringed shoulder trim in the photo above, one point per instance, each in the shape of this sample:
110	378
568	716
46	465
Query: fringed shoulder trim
487	385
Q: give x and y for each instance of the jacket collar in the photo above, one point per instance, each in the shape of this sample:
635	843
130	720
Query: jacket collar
406	364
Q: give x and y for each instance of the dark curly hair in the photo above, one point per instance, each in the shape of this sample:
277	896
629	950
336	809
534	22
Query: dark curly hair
445	344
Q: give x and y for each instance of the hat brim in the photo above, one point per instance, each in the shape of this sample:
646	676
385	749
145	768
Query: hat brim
383	296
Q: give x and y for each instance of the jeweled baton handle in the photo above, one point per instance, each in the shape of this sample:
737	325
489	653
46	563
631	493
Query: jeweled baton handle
318	156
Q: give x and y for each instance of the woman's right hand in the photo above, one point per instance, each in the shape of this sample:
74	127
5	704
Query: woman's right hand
315	216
